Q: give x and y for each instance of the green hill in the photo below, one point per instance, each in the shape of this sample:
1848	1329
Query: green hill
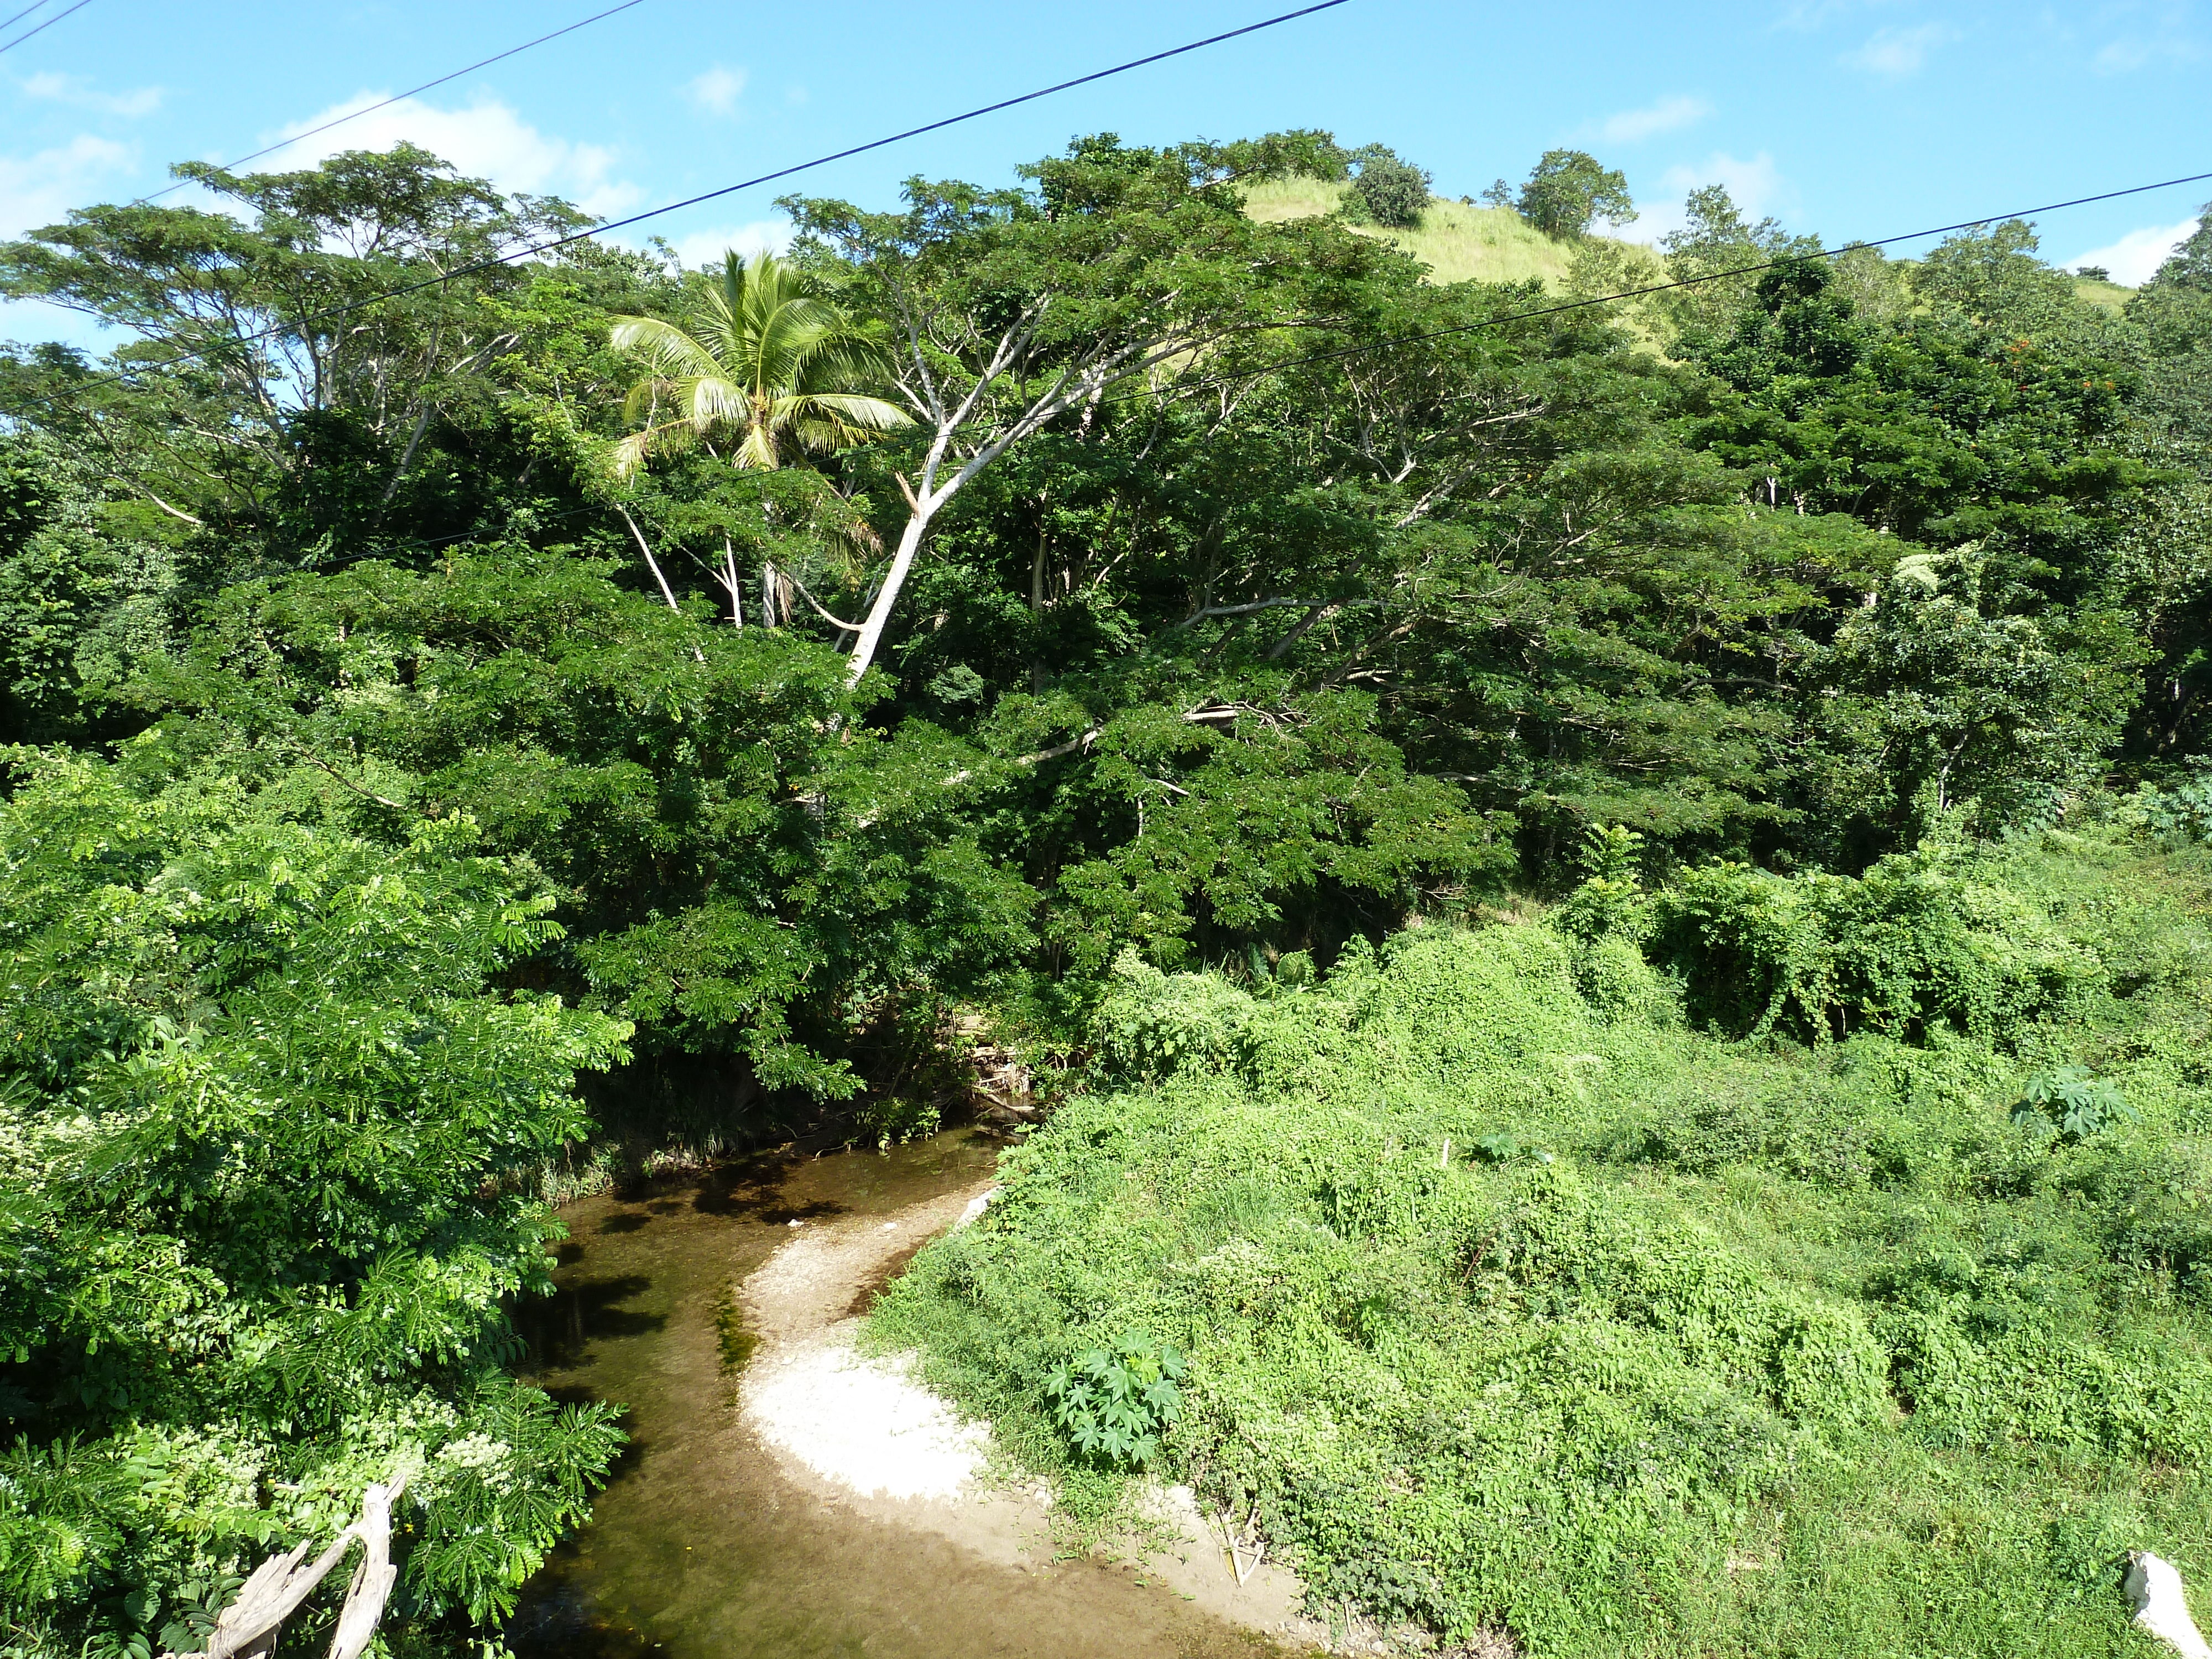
1461	242
1456	240
2109	295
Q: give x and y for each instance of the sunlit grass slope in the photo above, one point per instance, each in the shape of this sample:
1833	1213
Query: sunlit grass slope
1461	243
2109	295
1457	242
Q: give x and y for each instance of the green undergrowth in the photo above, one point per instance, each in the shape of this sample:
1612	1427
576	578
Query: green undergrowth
1532	1278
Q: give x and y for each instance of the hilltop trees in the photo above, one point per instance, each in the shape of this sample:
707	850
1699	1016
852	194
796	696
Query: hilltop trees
1385	190
1569	191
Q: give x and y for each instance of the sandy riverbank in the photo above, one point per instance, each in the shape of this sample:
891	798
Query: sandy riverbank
864	1433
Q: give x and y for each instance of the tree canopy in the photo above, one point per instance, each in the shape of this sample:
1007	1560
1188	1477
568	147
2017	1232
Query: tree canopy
1134	577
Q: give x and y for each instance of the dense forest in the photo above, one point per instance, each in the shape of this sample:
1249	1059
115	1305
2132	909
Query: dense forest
477	724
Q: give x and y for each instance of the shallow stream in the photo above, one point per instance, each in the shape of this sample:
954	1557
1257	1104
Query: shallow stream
703	1547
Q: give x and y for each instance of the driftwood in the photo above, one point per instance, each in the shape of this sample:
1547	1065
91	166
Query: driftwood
1240	1542
1000	1083
248	1627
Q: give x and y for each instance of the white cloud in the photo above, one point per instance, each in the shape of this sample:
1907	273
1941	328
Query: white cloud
1756	186
40	189
1632	126
77	91
717	90
706	247
1900	52
2135	258
2131	52
486	140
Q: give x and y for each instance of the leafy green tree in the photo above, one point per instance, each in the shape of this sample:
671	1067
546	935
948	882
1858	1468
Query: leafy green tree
1932	702
1568	190
1017	307
2174	311
1986	415
82	600
1714	240
262	399
269	1132
769	360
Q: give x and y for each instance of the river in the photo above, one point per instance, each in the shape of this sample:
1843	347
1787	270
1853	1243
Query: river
702	1546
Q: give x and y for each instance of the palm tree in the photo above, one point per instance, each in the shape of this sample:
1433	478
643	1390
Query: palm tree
769	363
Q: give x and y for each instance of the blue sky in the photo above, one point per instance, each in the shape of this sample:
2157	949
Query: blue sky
1851	118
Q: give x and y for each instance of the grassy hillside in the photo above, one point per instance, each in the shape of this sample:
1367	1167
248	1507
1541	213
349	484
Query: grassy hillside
1457	242
1461	243
2109	295
1512	1297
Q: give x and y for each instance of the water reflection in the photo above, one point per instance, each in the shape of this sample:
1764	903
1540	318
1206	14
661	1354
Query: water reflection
700	1548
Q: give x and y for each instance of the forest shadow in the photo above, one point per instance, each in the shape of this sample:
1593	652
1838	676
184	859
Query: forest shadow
561	1327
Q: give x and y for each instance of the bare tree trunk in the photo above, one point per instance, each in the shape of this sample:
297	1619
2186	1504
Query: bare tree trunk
407	455
651	563
872	630
1036	593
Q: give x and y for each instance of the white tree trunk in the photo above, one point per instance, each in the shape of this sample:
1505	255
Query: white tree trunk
879	613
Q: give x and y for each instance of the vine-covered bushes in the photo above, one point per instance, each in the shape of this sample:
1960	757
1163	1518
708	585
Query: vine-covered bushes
1921	940
1507	1310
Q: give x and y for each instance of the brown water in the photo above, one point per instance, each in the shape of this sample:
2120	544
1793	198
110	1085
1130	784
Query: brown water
700	1547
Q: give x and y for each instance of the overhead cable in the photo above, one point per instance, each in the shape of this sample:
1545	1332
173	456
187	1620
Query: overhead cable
1678	282
38	28
558	242
10	22
398	97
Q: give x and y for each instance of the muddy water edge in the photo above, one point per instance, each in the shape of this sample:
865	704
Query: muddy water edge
700	1546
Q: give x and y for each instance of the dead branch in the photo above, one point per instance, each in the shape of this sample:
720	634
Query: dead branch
248	1627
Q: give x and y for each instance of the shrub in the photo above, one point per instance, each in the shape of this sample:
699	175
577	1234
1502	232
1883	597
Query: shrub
1916	943
2183	809
1114	1404
1387	191
893	1120
2071	1100
1619	984
1151	1023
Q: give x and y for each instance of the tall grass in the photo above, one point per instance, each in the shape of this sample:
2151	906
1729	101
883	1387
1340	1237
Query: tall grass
1458	242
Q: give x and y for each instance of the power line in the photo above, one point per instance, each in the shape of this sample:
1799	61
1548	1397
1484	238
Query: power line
398	97
1680	282
1583	304
10	22
745	184
38	28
